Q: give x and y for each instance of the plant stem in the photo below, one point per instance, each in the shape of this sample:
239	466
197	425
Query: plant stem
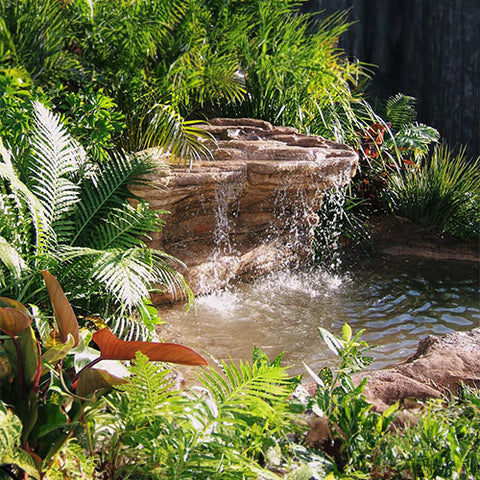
91	364
20	366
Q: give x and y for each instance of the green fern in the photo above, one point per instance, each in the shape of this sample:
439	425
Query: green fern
149	387
55	158
400	110
247	385
155	432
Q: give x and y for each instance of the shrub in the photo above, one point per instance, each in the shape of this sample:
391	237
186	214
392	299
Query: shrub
442	193
74	217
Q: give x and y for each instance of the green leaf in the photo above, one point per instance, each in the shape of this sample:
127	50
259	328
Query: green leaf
346	332
56	353
332	342
10	440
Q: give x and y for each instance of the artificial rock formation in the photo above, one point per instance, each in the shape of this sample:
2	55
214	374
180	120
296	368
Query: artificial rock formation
250	208
439	367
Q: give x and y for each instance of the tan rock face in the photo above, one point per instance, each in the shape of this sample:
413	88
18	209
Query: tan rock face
439	367
250	208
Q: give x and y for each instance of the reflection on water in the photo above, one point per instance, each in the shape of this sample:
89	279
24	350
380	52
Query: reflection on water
397	301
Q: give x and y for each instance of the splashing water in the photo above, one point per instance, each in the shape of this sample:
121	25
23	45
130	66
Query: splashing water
397	301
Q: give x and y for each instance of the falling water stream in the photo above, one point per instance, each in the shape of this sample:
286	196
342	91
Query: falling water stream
397	300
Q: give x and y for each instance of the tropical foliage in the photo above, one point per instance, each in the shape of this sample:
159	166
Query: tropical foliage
64	213
146	429
442	192
43	380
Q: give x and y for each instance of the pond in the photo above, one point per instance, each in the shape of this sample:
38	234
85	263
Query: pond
398	301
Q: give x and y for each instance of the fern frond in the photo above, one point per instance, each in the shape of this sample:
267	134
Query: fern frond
108	190
248	389
400	110
148	388
55	157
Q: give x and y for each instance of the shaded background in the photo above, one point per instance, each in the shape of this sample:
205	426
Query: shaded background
429	49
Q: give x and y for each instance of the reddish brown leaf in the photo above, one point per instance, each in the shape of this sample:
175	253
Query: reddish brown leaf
66	319
112	348
13	321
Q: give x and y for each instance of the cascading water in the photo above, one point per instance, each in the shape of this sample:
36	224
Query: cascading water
260	195
329	229
397	301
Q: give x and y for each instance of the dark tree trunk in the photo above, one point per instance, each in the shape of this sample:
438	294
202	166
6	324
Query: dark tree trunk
429	49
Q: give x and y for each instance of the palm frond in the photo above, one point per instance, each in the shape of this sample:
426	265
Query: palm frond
179	138
38	34
55	157
108	190
126	227
11	258
128	275
416	137
35	207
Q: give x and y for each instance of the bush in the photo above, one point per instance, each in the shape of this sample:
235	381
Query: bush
442	193
64	213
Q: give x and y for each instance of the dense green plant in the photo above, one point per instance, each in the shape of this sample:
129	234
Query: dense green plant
355	427
221	430
33	36
442	193
290	65
45	378
93	119
444	443
61	212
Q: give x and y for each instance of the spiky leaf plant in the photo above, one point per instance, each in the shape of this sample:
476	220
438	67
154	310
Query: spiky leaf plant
442	194
75	219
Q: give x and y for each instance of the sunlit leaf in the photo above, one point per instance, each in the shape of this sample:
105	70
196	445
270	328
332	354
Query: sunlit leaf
346	332
14	317
31	355
332	342
66	319
111	347
317	379
56	353
93	379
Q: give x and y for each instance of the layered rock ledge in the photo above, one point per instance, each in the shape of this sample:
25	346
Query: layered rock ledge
250	208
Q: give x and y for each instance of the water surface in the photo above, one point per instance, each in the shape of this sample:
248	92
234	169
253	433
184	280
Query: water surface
398	301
